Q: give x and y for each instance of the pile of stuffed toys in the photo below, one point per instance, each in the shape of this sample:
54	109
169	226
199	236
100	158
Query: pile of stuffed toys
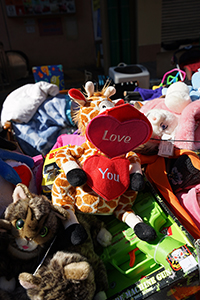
48	246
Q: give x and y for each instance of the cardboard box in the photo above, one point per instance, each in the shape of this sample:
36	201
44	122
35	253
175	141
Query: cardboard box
50	171
164	269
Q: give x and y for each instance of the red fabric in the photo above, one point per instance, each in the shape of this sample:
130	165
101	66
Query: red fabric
190	69
126	112
24	173
109	178
76	95
119	130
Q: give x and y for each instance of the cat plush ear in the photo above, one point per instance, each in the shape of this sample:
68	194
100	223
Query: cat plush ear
29	281
21	192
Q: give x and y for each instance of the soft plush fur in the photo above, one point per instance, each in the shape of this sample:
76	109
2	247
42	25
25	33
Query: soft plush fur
75	274
188	130
31	223
64	276
151	147
70	275
111	130
177	97
186	134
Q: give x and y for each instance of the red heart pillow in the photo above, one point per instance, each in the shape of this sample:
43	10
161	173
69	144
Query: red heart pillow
109	178
115	134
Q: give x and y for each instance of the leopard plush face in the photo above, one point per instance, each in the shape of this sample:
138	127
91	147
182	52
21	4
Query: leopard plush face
33	223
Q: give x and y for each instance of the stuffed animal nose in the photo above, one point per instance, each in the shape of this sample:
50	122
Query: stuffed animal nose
28	239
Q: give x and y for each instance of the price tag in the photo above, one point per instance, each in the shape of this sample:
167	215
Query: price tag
188	263
166	148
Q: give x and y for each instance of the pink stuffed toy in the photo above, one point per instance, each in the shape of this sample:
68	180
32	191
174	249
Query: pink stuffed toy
175	118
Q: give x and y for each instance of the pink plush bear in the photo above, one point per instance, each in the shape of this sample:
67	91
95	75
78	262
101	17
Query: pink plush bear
174	117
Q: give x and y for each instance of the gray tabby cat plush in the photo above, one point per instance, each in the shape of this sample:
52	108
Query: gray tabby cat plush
30	225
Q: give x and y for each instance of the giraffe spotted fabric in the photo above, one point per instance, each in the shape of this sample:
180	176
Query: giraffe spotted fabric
80	196
84	198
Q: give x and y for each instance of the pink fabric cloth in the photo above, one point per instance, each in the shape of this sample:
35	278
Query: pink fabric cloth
62	140
68	139
188	199
37	171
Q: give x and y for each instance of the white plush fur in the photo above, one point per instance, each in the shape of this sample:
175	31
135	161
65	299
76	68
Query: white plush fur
177	97
163	122
110	91
89	87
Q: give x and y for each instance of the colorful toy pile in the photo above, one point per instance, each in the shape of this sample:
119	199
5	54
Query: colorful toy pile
111	210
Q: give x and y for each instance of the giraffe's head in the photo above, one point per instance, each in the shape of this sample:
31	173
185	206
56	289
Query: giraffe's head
91	104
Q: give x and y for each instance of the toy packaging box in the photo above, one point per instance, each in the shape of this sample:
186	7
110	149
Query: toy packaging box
166	268
51	73
50	171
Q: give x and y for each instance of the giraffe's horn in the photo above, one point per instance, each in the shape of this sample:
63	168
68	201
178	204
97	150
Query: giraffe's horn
109	91
89	87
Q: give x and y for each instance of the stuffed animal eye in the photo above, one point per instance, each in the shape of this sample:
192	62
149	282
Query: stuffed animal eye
163	126
105	105
19	224
44	231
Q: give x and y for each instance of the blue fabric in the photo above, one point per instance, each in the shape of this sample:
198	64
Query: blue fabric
6	171
148	94
51	120
6	154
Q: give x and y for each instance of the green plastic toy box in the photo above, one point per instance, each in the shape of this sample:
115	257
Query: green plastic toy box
164	269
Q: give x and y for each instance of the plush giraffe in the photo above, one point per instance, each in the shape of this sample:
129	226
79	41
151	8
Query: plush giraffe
103	175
